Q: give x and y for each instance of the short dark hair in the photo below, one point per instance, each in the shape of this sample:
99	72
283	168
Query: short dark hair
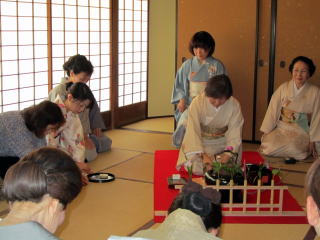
44	171
312	184
78	63
80	91
203	40
219	86
306	60
38	117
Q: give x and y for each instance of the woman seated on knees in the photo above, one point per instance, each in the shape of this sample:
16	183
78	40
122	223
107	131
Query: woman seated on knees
214	126
194	214
38	188
79	69
71	139
192	77
24	131
291	125
313	198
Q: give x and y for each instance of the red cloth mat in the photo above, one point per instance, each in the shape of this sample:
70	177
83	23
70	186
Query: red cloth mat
165	166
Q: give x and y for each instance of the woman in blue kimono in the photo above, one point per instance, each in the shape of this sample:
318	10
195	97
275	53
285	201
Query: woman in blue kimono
192	78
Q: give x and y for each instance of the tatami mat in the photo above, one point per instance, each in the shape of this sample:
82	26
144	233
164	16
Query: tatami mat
102	209
140	141
299	194
299	166
111	158
293	178
139	168
263	231
154	124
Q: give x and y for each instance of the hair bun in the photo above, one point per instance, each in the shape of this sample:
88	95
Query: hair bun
191	187
197	203
212	194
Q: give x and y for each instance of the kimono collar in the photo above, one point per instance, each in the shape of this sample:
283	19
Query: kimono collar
292	93
296	91
217	109
209	60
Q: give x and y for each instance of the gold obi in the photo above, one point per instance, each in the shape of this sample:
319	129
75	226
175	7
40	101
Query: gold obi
196	88
290	116
301	119
212	133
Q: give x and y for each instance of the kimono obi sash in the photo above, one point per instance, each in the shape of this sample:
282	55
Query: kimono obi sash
290	116
196	88
210	133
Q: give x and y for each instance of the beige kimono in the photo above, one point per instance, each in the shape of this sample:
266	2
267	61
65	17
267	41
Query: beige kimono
291	121
180	224
211	130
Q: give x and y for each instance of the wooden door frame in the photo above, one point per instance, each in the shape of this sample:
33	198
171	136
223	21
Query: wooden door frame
119	116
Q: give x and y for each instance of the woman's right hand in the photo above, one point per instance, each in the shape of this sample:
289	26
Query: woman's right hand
85	170
181	105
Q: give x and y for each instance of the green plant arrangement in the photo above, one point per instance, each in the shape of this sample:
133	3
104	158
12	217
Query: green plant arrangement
275	172
217	166
189	167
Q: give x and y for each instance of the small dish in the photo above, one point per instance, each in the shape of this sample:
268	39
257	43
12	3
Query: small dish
101	177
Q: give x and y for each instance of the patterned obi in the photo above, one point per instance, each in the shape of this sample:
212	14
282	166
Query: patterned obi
196	88
210	133
290	116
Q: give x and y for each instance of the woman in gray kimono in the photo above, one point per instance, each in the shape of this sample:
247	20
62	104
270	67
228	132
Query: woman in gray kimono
192	77
79	69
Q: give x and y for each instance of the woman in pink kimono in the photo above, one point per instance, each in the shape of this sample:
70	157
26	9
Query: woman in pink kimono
291	125
71	137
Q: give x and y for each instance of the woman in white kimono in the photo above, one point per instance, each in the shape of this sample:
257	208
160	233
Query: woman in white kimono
214	124
291	125
79	69
71	138
192	77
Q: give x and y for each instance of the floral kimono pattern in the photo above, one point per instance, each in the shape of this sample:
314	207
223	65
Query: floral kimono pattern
70	138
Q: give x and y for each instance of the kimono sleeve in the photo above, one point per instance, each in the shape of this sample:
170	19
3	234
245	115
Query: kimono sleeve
192	142
234	133
72	138
220	68
315	120
180	88
21	149
59	90
19	144
273	113
95	118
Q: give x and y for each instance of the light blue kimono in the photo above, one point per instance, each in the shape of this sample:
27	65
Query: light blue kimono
191	70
